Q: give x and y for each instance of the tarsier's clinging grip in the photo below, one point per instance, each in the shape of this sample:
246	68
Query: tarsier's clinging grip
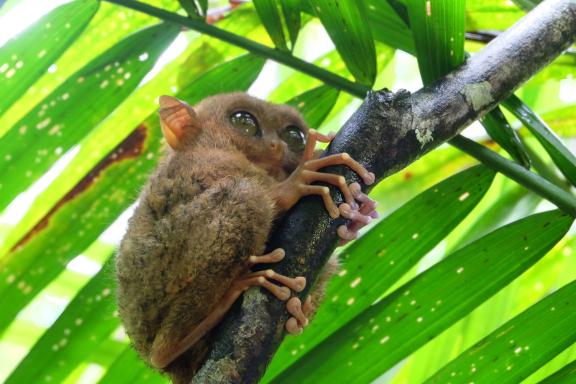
234	164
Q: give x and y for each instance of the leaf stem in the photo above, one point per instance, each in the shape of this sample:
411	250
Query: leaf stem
530	180
287	59
544	169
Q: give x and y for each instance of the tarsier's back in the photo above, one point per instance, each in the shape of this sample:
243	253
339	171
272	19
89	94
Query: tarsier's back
150	277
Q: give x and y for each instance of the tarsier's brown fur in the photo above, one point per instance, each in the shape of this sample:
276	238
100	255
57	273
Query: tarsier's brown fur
208	206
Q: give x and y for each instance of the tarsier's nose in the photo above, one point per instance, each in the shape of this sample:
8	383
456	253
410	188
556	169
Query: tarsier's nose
277	149
276	146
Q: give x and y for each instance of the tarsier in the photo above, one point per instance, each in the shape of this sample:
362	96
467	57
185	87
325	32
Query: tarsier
234	165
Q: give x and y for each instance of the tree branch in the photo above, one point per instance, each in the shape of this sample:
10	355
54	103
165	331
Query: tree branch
356	89
388	132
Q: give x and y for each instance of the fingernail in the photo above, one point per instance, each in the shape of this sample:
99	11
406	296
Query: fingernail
354	205
374	215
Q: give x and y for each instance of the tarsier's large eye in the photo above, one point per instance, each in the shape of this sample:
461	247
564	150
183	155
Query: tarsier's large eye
245	123
294	137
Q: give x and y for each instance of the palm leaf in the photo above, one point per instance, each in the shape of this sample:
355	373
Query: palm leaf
418	311
25	58
117	144
81	327
58	233
269	12
386	253
562	156
520	346
60	120
355	45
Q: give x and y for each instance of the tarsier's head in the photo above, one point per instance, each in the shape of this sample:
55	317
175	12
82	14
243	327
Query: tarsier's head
271	135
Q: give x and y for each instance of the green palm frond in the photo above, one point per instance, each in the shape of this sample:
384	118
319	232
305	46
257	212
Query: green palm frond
468	277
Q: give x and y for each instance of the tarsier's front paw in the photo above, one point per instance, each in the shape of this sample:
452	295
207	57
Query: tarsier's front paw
299	184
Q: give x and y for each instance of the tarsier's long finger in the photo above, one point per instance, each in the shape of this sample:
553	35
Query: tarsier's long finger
311	139
368	205
296	284
355	226
324	138
348	213
351	232
341	159
359	217
294	307
346	234
330	178
310	145
281	293
324	192
273	257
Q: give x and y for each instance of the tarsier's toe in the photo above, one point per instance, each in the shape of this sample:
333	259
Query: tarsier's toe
359	215
292	326
273	257
348	212
296	284
308	307
285	293
296	324
369	178
300	283
294	307
346	234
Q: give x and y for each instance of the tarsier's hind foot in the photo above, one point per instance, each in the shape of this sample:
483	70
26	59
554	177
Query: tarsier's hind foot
163	354
302	314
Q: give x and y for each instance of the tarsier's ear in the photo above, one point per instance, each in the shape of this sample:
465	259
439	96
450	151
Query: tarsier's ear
178	120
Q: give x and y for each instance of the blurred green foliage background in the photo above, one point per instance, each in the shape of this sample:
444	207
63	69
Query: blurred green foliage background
461	251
